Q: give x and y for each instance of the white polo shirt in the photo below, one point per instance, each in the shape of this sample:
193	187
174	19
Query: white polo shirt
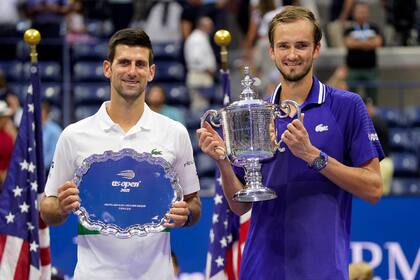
107	257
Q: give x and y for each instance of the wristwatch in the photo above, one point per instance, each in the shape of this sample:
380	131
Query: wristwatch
320	162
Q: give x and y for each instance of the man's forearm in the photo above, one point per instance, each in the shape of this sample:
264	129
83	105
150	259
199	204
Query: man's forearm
231	185
50	211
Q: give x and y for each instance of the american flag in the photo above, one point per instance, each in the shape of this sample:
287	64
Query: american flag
24	237
227	238
228	232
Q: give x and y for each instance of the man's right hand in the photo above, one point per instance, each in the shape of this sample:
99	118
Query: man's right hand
68	198
210	142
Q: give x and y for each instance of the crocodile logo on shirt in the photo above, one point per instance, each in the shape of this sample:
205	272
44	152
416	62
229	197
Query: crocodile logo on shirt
156	152
321	128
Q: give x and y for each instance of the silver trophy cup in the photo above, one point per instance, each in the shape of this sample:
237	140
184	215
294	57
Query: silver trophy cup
250	136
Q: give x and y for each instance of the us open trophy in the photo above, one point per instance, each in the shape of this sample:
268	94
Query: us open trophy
250	136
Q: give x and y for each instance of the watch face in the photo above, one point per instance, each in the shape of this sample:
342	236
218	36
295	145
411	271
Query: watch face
319	163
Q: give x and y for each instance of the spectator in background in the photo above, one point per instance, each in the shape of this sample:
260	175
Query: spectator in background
14	103
50	134
256	41
7	136
193	9
12	100
340	11
163	21
121	13
339	78
401	15
201	64
4	89
156	99
381	127
47	16
76	28
361	40
360	271
9	17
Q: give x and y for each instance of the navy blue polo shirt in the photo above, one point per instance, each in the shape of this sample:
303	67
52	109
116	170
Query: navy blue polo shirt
304	233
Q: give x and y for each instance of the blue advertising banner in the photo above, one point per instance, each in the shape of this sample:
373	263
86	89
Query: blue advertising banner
387	237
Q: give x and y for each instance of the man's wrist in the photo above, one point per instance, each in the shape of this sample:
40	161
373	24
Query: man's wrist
189	220
319	162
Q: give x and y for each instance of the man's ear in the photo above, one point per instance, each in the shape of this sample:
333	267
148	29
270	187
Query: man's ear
317	50
106	67
151	72
271	53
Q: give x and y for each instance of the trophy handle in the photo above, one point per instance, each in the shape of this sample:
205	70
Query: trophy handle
211	114
286	105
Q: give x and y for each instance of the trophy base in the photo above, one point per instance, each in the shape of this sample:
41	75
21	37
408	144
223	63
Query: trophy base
254	194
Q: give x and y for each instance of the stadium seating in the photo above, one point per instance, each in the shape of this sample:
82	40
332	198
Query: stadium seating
90	93
49	71
405	164
12	69
207	186
90	51
400	140
177	94
99	28
169	71
84	111
166	51
405	186
88	71
413	116
205	165
392	116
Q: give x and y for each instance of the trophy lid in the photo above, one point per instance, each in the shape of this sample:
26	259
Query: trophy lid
248	97
247	82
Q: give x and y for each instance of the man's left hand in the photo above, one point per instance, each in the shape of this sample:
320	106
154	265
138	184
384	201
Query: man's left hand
178	214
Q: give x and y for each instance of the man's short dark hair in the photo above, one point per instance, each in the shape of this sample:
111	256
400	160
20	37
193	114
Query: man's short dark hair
291	14
130	37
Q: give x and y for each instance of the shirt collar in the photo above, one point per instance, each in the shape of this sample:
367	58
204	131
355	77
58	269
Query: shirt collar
316	94
145	121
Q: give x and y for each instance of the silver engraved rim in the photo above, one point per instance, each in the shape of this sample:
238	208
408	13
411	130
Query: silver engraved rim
136	229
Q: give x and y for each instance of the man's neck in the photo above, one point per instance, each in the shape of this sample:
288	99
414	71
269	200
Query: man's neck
125	114
296	91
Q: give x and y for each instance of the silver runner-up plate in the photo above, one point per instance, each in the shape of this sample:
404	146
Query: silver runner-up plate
126	193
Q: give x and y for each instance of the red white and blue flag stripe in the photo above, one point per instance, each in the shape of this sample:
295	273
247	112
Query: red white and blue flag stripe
24	237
